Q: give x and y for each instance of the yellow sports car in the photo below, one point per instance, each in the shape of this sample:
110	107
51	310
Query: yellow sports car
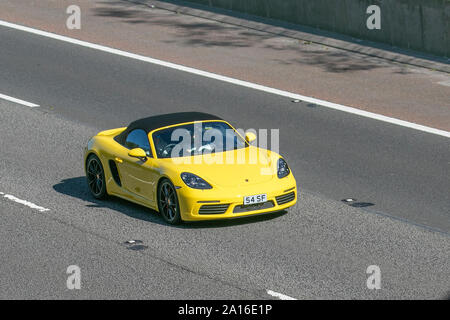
188	166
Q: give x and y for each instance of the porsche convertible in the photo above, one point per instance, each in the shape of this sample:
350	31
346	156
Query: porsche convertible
188	166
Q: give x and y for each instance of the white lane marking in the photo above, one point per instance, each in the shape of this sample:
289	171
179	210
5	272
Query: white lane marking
279	295
24	202
247	84
22	102
445	83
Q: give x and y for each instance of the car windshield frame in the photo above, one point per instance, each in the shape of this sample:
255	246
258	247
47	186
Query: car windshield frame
157	148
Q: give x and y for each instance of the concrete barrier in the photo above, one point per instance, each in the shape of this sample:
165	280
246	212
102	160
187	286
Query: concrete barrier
422	25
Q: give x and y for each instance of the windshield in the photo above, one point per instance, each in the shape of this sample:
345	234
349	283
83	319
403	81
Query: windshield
195	139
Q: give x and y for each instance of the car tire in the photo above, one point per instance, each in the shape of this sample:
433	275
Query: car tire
95	176
168	204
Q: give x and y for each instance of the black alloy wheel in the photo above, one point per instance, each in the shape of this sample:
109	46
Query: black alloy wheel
168	202
96	177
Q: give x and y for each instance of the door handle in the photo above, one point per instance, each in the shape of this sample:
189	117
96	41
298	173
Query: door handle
118	160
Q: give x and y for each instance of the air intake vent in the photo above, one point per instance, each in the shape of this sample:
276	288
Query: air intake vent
285	198
213	209
114	172
253	207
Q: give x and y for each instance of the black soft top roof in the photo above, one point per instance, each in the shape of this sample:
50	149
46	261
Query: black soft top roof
151	123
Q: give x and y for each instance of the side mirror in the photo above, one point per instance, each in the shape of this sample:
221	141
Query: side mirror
138	153
250	136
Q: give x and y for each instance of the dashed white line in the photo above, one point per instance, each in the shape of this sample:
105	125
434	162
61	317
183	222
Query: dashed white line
247	84
279	295
445	83
24	202
15	100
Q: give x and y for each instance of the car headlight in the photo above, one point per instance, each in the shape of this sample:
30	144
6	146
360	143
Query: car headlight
283	168
194	181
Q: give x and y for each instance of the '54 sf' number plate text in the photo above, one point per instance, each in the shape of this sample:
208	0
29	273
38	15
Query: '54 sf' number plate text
258	198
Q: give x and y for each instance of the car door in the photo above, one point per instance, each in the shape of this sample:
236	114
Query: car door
139	176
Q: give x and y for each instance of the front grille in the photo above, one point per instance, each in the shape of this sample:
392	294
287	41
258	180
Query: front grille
253	207
213	208
285	198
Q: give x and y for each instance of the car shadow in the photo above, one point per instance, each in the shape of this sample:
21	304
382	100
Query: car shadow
77	188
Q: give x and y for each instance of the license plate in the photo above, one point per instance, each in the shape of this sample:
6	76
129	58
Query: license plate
258	198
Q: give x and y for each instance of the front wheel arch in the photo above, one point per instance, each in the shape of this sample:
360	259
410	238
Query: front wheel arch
88	155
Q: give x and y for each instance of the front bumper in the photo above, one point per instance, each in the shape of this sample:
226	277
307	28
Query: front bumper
226	203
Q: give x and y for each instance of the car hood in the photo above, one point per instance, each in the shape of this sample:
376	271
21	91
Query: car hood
250	166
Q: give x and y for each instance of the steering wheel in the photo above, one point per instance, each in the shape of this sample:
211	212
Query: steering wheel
168	148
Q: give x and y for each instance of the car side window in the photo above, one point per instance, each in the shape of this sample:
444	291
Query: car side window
138	139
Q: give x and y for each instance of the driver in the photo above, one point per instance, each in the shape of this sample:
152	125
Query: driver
160	143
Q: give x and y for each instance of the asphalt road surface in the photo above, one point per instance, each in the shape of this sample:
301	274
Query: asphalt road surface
321	248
